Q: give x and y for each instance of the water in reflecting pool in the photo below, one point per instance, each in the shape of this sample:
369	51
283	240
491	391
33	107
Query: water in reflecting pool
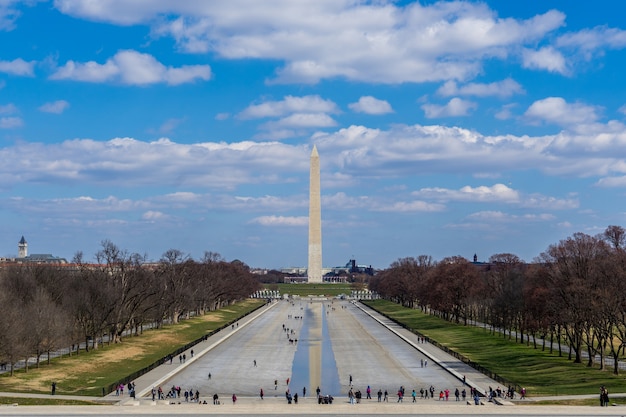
314	362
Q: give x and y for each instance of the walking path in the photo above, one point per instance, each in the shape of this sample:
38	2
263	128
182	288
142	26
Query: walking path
276	404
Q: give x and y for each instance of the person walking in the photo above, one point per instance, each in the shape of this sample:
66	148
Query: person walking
261	393
234	398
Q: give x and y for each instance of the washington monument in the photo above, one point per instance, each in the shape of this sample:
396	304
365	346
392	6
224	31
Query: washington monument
314	270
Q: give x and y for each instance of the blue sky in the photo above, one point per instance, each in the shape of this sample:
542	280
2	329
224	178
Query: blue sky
443	128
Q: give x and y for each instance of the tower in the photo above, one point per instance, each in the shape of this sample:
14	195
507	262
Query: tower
22	248
314	270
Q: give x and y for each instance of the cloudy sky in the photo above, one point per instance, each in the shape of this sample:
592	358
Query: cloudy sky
444	127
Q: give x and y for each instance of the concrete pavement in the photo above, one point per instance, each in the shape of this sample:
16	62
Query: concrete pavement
244	337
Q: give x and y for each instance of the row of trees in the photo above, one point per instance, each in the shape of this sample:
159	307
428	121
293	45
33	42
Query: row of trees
576	289
48	307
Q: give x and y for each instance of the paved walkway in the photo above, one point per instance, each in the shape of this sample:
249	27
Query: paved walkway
277	404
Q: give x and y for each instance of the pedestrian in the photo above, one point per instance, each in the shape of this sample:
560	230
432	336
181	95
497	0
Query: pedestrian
457	394
153	394
368	393
254	363
275	384
400	395
216	400
234	398
386	399
350	380
295	398
192	353
317	391
209	376
380	395
54	388
261	393
304	392
414	395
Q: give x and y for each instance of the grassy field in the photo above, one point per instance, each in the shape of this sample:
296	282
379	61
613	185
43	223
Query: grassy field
540	372
304	289
88	372
42	401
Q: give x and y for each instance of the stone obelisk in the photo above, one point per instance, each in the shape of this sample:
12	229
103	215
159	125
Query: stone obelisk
314	270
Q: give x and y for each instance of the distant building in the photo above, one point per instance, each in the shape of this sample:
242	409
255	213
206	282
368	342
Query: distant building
35	258
22	248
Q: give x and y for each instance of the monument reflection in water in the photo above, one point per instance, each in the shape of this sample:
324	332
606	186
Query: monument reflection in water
314	362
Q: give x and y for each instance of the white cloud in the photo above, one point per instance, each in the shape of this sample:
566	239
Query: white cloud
18	67
170	125
556	110
8	14
501	217
302	120
56	107
622	109
593	39
289	104
371	105
503	89
498	193
354	155
10	122
281	221
455	107
8	109
131	68
154	215
505	112
436	42
611	182
495	193
546	58
411	206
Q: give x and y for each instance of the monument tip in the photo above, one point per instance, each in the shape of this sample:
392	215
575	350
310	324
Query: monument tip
314	151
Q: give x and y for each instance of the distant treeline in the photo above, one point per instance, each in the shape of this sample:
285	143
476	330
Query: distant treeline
574	291
47	307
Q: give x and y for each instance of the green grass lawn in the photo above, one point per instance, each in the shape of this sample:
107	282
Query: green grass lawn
42	401
88	372
304	289
540	372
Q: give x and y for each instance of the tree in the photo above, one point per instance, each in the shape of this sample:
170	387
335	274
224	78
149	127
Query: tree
615	236
574	278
